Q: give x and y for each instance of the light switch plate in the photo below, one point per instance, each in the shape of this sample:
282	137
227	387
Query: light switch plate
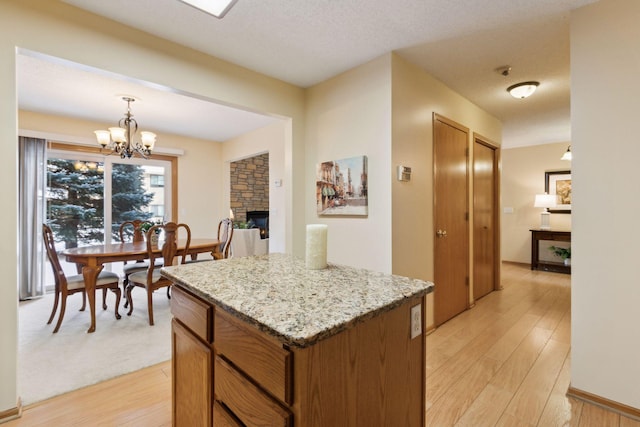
416	321
404	173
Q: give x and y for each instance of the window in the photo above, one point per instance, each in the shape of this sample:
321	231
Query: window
157	211
156	180
89	196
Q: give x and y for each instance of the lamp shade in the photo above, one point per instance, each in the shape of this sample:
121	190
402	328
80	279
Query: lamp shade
104	137
118	134
545	201
567	155
148	139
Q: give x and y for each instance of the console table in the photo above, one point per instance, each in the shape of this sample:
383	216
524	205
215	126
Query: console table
553	235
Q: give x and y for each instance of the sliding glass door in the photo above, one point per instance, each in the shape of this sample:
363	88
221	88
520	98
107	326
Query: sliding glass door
89	196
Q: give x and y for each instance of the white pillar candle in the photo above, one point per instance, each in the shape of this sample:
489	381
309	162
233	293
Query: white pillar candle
316	250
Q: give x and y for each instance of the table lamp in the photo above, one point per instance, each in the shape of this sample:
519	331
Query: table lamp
545	201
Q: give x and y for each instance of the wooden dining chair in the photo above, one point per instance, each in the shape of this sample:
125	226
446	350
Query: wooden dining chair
133	231
225	234
150	279
65	286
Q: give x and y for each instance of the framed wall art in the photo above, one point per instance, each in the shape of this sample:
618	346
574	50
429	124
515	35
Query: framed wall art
559	184
342	188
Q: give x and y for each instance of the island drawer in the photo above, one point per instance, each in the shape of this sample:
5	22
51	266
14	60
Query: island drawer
263	359
194	313
223	418
247	402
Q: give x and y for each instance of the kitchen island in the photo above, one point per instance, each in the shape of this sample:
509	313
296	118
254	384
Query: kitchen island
264	341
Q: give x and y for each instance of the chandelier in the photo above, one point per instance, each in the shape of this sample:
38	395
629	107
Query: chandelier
119	139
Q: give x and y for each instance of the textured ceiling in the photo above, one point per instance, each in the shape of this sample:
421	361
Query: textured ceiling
460	42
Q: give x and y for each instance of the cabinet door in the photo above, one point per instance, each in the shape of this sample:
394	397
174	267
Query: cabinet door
192	376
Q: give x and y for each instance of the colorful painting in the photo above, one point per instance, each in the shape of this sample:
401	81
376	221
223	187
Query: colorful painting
341	187
559	184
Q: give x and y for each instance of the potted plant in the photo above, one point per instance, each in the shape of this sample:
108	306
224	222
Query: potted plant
240	225
145	226
564	253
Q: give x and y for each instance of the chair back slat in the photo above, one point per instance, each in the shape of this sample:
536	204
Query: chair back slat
136	226
50	246
225	234
169	251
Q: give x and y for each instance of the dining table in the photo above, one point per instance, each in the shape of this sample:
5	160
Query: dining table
92	259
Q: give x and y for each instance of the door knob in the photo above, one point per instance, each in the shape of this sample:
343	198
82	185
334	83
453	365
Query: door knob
441	233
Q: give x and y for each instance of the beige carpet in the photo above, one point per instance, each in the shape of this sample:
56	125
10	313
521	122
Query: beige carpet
50	364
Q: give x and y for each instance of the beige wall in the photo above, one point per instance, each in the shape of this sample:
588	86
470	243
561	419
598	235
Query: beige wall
56	29
605	103
347	116
416	96
522	178
382	109
199	202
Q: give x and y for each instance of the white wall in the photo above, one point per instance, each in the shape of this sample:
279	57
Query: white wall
8	228
523	171
348	116
269	139
57	29
605	104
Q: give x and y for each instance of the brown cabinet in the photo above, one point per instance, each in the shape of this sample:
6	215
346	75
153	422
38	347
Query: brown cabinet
192	372
371	373
552	235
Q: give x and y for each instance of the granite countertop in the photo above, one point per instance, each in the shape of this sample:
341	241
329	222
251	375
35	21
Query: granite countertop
299	307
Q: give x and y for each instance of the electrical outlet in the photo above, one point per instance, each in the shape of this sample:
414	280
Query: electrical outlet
416	321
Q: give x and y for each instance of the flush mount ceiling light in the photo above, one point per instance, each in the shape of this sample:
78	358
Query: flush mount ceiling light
217	8
523	90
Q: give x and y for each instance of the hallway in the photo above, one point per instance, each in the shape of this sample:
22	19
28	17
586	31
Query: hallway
506	362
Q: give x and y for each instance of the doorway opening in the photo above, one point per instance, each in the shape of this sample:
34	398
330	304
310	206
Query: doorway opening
249	192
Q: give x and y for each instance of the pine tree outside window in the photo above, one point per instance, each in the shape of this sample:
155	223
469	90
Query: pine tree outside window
88	197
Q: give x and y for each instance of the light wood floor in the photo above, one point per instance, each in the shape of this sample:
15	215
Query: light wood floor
503	363
506	362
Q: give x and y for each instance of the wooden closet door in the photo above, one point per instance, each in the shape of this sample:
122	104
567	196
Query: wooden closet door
485	220
451	213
